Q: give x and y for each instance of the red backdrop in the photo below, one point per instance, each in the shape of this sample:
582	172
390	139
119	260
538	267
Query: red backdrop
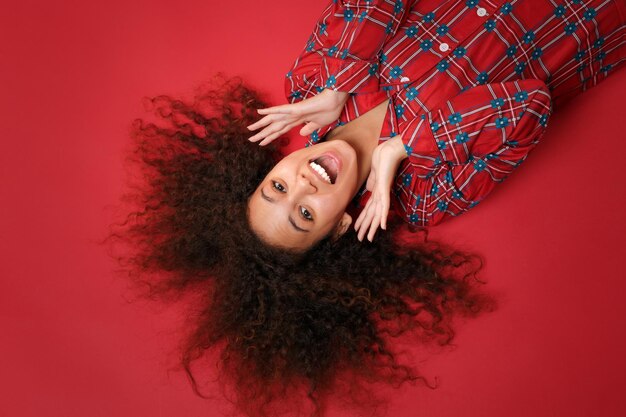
73	75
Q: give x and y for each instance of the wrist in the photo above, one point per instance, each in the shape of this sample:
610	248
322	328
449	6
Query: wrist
339	98
396	148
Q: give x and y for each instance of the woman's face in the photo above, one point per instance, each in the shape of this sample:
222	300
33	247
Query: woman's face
303	198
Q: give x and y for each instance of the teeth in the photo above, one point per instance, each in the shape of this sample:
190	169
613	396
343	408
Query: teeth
321	170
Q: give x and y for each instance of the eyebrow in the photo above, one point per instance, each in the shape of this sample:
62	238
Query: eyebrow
295	226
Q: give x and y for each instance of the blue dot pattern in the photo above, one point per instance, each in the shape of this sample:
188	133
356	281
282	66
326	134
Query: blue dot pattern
471	84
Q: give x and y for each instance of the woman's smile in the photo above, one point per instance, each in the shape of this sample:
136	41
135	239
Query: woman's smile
328	165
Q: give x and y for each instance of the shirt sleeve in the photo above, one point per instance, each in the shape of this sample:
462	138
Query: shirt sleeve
460	150
342	53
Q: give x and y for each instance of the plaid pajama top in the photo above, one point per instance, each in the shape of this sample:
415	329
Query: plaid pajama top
471	83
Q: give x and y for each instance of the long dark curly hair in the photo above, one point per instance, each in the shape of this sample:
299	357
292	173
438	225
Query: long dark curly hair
279	321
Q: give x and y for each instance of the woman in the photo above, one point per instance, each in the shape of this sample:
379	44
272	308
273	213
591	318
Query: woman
468	88
289	309
281	320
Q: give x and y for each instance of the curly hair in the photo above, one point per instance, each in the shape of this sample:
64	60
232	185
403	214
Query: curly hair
279	320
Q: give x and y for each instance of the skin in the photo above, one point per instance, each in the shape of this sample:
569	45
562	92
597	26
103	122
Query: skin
298	192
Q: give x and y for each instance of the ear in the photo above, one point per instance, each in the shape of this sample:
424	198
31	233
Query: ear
342	226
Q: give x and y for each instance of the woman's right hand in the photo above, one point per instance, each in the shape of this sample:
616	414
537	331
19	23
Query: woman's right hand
386	159
315	112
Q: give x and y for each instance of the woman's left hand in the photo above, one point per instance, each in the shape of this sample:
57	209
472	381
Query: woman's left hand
314	112
385	161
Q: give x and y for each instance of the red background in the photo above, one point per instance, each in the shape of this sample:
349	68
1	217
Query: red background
73	75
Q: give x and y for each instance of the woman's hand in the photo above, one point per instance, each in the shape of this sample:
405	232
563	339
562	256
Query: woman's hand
315	112
385	161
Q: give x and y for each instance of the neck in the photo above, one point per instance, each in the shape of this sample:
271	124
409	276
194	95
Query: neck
363	134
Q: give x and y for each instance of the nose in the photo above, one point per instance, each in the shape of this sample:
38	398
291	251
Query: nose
307	183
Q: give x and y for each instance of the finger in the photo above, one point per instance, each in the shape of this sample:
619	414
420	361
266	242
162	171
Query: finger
285	129
284	108
366	222
282	131
262	122
274	127
273	136
309	128
362	215
371	180
385	213
258	136
374	224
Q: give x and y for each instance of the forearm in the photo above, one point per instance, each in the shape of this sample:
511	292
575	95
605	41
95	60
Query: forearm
342	53
458	156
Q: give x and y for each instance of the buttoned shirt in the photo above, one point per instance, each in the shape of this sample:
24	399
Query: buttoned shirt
471	84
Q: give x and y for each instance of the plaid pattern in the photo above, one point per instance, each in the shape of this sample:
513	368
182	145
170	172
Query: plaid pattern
471	83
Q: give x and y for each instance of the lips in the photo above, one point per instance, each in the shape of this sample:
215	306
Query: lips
331	164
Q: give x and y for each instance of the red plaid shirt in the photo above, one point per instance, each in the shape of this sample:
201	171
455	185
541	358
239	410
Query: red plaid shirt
471	83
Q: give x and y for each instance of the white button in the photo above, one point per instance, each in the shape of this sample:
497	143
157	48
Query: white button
443	47
481	11
404	80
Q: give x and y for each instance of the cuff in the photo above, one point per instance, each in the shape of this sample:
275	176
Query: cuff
349	75
419	144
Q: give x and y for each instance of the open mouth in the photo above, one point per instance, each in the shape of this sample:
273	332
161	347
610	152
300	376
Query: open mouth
327	166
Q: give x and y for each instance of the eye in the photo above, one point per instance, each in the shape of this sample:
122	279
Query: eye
305	213
278	186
